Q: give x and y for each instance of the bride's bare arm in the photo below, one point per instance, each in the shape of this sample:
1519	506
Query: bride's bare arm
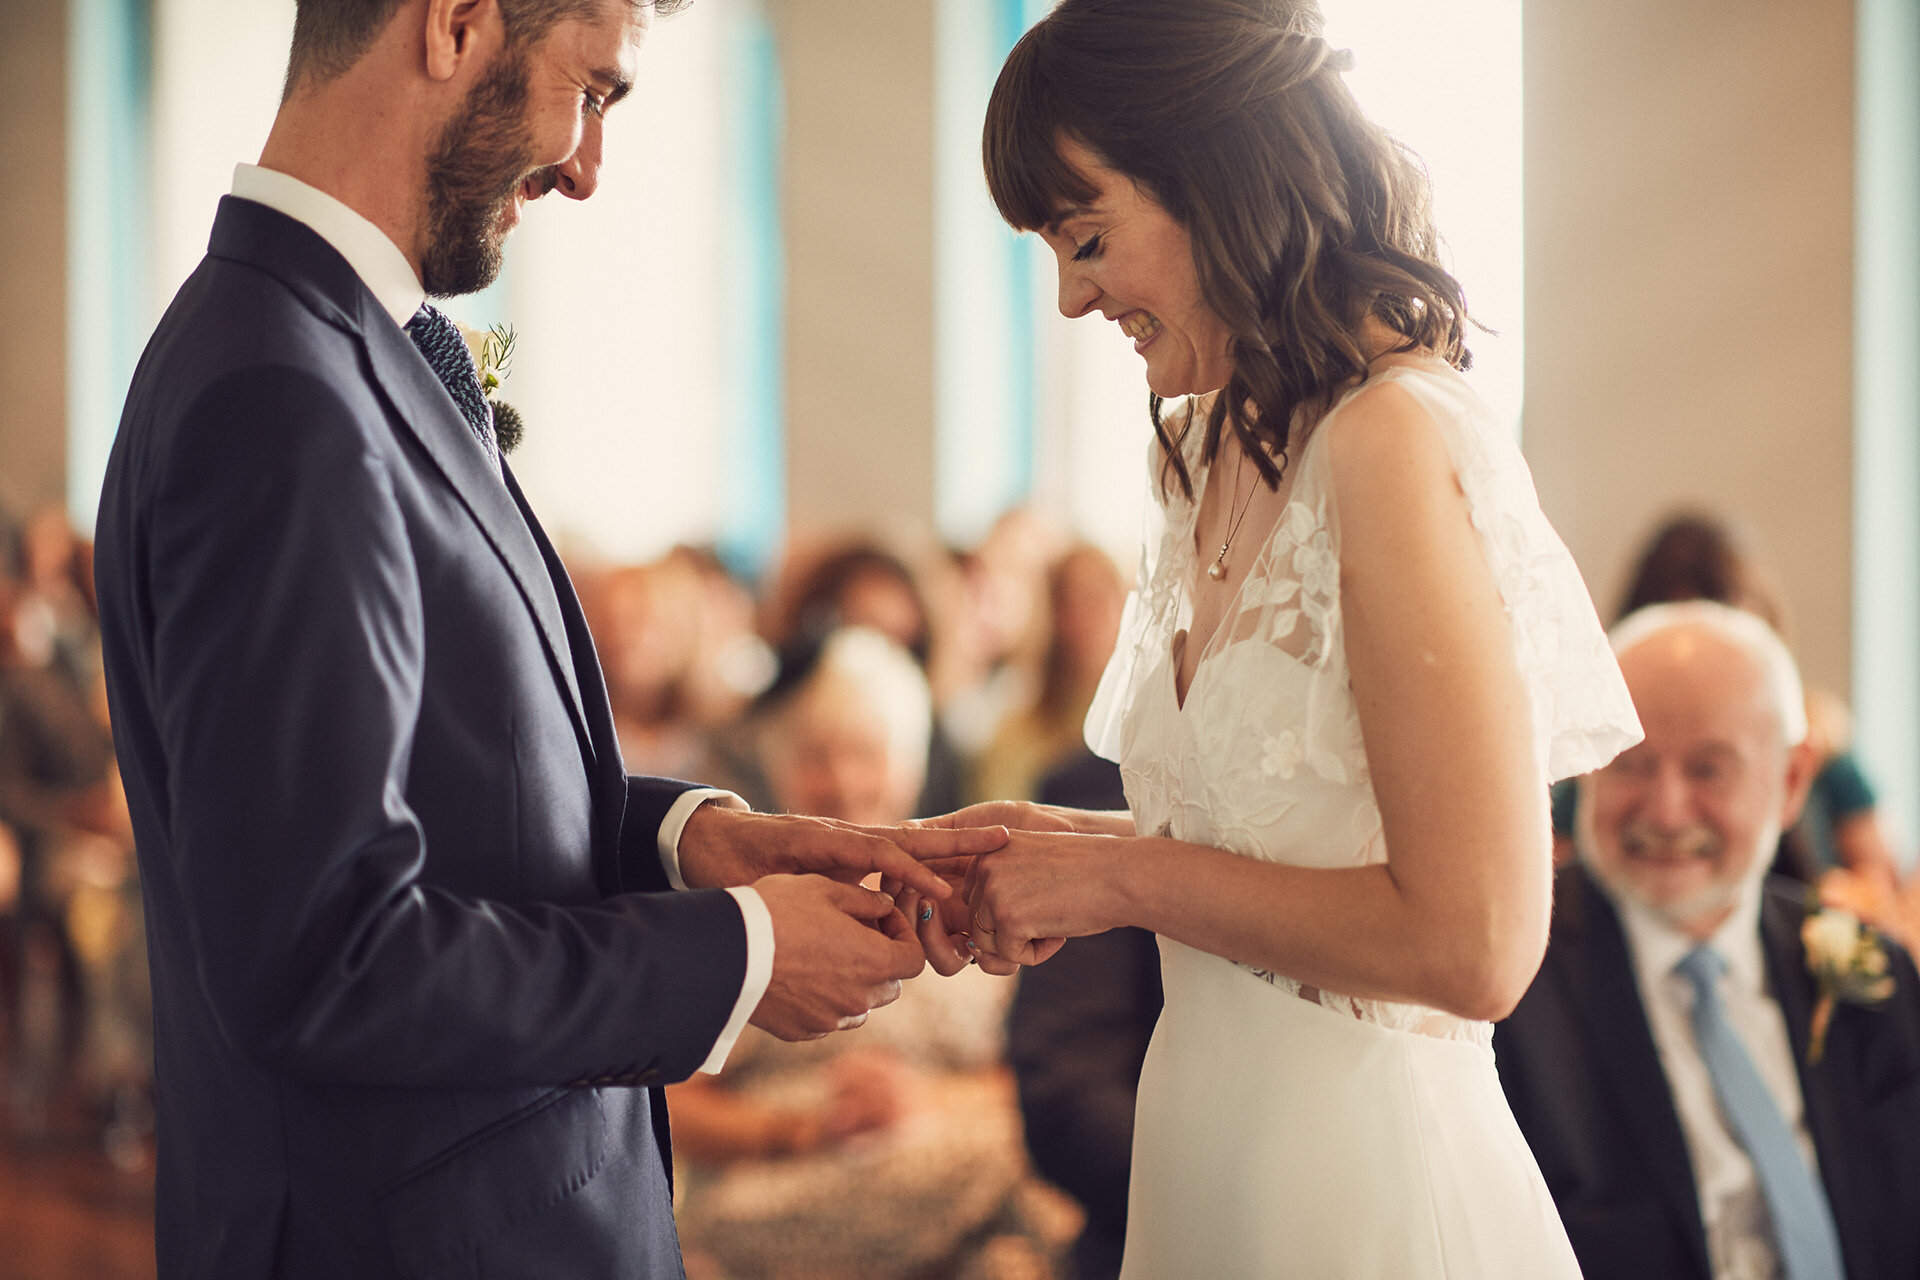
1456	917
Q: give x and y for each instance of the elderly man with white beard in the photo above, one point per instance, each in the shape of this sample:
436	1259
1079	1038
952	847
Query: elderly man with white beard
1705	1097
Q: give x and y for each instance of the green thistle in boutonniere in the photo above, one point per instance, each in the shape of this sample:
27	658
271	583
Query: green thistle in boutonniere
1848	962
492	363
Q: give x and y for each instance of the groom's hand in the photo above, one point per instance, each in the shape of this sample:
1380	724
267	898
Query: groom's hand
720	847
838	952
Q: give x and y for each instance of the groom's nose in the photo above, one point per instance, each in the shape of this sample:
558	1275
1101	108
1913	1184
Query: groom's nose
579	175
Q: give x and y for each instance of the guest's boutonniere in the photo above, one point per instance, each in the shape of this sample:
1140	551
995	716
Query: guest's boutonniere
492	352
1848	962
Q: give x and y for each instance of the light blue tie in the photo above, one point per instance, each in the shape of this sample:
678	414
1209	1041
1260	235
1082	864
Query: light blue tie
1803	1228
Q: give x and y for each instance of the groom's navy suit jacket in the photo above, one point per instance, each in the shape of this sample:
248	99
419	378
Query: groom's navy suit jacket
415	964
1578	1062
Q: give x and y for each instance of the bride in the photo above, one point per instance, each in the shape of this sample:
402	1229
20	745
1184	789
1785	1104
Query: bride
1347	677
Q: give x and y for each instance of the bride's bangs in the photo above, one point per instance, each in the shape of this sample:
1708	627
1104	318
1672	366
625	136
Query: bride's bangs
1020	146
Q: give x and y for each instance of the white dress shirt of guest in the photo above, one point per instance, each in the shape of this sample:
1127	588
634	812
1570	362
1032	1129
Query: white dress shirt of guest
1678	832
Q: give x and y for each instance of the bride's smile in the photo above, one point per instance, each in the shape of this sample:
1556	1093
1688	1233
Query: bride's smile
1123	255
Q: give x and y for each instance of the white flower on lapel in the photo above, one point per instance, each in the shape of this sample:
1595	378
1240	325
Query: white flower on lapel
1848	962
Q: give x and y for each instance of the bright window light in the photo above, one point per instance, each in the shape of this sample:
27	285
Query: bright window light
1445	80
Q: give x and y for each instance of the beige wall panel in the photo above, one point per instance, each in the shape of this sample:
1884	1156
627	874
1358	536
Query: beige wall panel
1689	284
33	252
858	214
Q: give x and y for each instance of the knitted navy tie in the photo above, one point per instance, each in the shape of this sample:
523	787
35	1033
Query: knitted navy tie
446	354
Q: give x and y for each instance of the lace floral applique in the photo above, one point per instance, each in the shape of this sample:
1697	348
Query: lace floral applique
1283	755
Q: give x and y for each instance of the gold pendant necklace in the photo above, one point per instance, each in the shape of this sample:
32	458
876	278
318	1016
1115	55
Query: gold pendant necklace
1218	569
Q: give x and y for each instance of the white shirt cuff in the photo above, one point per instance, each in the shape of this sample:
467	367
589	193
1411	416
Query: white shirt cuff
676	822
759	922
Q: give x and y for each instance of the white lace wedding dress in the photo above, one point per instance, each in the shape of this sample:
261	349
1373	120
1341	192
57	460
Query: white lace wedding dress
1284	1131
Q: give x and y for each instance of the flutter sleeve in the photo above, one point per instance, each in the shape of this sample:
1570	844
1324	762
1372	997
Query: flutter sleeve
1582	713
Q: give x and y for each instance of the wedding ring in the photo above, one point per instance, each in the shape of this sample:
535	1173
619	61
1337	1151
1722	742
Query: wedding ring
926	912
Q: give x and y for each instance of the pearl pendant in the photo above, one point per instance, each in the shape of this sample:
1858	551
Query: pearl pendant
1218	569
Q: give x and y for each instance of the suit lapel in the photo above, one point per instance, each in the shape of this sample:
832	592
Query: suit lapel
1608	996
428	412
604	742
1831	1106
300	259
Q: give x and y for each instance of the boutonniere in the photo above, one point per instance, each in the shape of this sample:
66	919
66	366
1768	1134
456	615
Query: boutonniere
1848	962
492	352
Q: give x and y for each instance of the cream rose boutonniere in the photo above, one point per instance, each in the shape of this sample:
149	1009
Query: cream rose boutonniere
1848	962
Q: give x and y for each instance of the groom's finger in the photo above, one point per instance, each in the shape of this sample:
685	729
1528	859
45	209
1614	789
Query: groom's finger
927	843
850	854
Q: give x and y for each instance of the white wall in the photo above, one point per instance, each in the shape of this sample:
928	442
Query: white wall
620	372
218	68
1689	285
33	253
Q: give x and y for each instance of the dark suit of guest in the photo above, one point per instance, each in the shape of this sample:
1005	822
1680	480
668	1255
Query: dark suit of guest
1579	1065
411	983
1076	1035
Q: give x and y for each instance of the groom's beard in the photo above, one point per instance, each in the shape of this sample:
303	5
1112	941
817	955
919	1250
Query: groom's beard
476	169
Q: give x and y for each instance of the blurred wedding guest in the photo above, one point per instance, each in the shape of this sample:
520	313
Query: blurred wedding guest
732	663
1697	556
998	629
1705	1099
861	584
1076	1037
57	789
55	618
1085	594
648	633
893	1151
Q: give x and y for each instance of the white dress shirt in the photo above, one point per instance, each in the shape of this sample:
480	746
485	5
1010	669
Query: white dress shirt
1732	1206
384	269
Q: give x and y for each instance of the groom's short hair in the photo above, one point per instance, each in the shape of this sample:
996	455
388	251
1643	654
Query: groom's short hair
330	35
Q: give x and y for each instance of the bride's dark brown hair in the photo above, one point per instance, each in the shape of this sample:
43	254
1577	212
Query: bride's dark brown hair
1305	216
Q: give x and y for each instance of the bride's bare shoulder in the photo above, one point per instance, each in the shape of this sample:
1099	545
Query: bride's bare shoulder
1385	451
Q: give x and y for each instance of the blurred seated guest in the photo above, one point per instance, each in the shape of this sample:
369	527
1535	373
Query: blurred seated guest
55	620
1085	594
1076	1037
1697	1106
647	633
842	730
1695	556
9	906
732	663
893	1151
998	628
59	794
860	584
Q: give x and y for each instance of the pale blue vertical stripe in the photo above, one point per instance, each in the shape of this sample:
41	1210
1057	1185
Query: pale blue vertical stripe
983	315
1886	391
753	452
109	140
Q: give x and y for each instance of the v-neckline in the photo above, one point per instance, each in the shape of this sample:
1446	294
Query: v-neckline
1183	636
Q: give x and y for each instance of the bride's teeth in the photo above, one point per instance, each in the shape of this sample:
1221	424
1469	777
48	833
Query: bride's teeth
1140	325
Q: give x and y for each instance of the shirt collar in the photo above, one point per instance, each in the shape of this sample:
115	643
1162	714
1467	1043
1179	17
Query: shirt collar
1656	946
376	259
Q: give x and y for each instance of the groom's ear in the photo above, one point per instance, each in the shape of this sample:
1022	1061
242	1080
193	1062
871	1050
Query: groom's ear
461	37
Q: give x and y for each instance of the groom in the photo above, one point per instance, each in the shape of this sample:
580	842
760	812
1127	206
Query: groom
421	950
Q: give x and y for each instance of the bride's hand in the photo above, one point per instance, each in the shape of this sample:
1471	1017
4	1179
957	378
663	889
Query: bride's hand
1025	900
946	928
